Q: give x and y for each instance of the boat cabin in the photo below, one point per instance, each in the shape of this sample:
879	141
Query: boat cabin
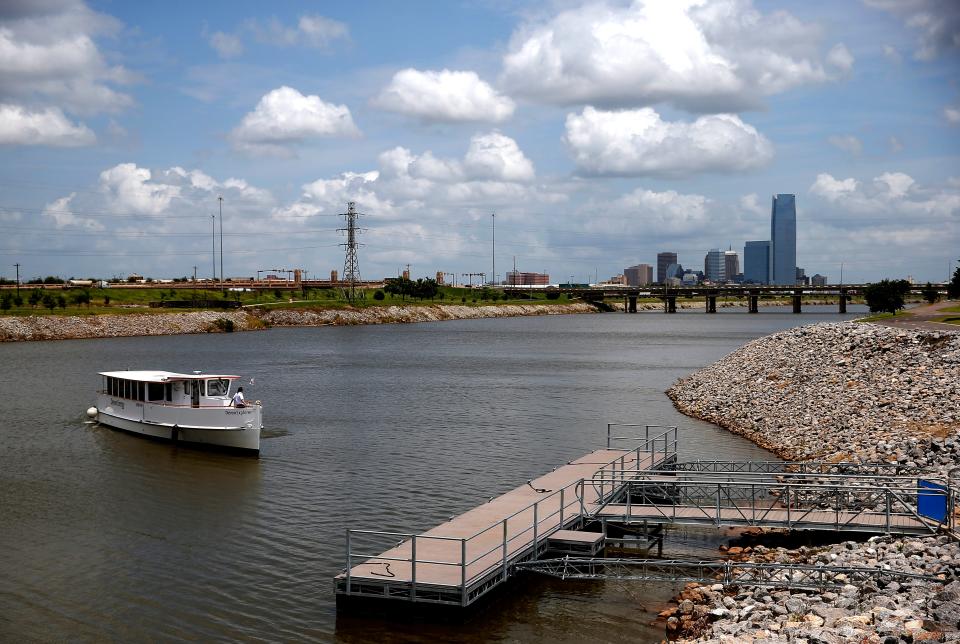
169	389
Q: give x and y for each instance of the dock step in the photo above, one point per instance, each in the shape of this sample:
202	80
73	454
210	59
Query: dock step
574	542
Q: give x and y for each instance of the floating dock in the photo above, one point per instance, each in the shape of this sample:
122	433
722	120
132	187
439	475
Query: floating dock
458	562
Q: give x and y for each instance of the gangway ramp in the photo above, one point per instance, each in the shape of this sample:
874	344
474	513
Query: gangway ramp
869	503
460	560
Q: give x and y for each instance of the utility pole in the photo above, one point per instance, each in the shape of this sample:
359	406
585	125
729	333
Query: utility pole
194	283
18	278
220	199
493	239
351	268
213	244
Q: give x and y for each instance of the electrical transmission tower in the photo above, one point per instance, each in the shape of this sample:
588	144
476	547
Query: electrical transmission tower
351	268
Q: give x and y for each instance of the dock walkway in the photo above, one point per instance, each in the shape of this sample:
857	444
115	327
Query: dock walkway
460	560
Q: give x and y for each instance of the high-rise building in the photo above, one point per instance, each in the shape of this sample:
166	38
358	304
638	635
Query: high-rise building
663	261
639	275
818	280
757	262
783	234
731	265
802	279
714	265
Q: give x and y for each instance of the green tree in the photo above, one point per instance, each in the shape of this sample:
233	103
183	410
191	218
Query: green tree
61	301
953	288
378	295
36	295
17	300
49	302
83	297
886	296
930	294
6	301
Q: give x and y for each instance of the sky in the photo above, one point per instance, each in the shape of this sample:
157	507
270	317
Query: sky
598	133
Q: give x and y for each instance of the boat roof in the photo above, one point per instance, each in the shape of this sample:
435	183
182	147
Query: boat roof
164	376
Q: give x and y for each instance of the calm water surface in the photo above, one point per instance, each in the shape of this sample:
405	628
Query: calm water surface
107	536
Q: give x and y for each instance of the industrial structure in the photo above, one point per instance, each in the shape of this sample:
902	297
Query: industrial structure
351	266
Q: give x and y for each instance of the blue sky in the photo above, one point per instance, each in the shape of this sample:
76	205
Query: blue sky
600	133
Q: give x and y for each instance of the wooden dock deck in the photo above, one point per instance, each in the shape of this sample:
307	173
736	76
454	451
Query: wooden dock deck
459	560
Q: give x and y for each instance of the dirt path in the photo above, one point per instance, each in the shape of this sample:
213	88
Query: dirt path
922	317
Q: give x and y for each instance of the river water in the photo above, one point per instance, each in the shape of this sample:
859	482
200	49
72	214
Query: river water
108	536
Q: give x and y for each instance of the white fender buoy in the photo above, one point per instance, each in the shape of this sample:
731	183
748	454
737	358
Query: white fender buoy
92	412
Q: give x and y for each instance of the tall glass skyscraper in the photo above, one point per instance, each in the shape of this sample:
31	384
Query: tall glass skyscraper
663	261
757	262
713	266
783	234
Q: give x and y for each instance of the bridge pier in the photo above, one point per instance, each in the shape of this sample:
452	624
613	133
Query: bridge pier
632	304
843	301
711	304
753	303
797	299
670	304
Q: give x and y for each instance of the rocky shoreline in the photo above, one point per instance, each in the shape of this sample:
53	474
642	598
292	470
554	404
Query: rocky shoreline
841	391
65	327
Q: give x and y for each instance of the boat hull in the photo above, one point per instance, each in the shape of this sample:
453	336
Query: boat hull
228	427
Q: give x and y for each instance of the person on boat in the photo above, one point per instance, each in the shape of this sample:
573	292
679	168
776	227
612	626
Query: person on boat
238	399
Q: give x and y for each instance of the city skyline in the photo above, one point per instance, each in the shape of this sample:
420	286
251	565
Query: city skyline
122	127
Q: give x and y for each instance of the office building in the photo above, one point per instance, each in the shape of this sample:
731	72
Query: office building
714	265
731	265
783	234
639	275
664	260
757	262
517	278
818	280
802	279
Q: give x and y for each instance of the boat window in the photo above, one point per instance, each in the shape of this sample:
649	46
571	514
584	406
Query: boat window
109	388
168	392
140	387
218	387
200	383
126	389
154	391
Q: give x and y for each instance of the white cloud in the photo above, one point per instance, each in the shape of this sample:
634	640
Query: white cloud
311	31
952	114
639	142
751	203
497	157
49	55
718	56
666	212
891	193
128	189
60	212
284	116
891	53
848	143
19	126
226	45
444	95
840	57
938	22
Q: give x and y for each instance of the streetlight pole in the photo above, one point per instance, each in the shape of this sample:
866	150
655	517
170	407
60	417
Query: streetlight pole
493	254
18	278
220	199
213	244
841	273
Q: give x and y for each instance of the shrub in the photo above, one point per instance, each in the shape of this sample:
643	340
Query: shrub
49	302
17	300
886	295
553	295
223	324
378	295
6	301
36	296
106	300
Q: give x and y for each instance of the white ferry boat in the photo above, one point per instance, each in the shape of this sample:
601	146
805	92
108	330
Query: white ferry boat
188	408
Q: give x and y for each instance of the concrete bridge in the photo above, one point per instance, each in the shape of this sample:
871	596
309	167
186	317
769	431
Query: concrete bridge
751	292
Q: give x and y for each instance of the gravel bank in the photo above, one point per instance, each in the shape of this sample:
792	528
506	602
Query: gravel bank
841	391
63	327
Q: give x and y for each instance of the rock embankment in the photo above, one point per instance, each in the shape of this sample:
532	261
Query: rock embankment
880	611
64	327
844	391
836	391
403	314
